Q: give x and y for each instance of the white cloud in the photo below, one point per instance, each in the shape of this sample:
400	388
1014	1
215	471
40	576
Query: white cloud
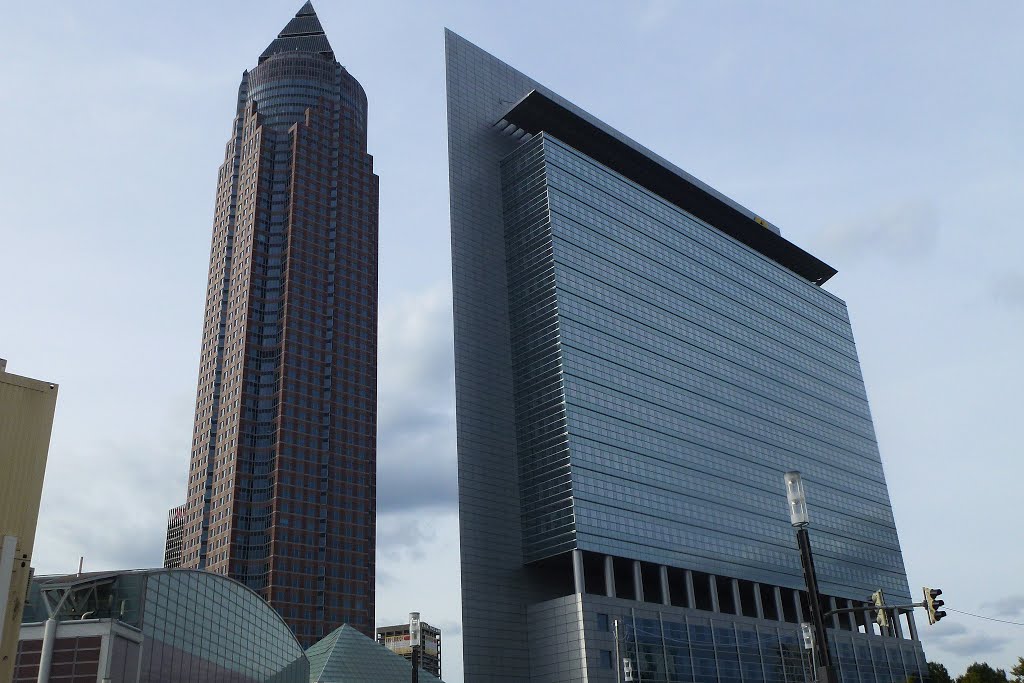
106	496
975	645
418	571
417	520
900	231
416	399
653	14
1010	606
956	638
1008	289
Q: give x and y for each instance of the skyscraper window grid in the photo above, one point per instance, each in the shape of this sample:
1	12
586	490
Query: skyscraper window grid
282	482
629	392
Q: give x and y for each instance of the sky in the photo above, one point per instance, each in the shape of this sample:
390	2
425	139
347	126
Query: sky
885	138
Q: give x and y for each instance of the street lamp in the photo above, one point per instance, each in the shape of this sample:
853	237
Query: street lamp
414	641
799	518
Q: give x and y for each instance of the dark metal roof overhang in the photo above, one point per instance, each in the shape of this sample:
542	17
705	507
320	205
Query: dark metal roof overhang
536	112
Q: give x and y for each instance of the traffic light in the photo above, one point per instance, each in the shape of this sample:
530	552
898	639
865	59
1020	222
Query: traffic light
881	616
933	605
807	631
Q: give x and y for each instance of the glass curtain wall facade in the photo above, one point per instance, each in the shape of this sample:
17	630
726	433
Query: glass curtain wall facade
638	361
199	627
282	481
158	626
664	648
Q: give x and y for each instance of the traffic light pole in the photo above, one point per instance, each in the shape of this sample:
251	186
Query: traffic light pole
826	672
872	608
800	519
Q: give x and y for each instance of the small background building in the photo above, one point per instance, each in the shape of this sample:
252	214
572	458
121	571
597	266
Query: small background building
396	639
175	536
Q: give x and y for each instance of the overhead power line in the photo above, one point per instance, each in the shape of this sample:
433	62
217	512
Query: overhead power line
1001	621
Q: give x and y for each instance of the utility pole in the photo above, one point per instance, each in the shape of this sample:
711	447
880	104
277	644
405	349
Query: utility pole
800	520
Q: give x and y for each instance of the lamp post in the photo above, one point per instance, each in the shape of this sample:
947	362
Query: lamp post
799	518
414	640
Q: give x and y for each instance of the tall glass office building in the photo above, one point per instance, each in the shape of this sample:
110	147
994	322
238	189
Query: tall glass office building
639	359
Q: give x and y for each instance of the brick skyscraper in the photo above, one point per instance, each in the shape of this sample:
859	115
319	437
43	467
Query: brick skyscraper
282	482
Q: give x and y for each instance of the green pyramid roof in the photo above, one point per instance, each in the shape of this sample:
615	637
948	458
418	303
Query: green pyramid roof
347	656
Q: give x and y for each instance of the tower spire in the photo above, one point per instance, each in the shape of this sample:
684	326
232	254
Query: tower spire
302	34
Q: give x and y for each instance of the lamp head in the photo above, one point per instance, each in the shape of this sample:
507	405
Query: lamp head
798	516
414	629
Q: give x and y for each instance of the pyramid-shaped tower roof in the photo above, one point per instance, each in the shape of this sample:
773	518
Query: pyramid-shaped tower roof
302	34
347	656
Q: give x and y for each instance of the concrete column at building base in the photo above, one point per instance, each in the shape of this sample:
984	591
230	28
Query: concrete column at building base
912	625
897	627
578	578
638	581
666	595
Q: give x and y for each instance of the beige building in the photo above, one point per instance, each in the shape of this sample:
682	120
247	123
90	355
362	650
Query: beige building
26	417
